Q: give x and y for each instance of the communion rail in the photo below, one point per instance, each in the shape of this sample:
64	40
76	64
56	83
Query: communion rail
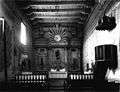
32	80
41	80
76	80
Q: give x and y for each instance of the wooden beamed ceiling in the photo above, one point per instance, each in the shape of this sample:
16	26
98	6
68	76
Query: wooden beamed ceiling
55	11
44	14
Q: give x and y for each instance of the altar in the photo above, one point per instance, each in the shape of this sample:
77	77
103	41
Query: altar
57	79
58	74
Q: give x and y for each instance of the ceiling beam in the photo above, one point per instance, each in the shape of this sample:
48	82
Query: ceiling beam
36	21
39	26
42	2
58	18
59	13
33	12
47	29
67	28
58	6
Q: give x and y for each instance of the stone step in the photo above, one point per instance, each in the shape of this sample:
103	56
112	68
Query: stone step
56	83
56	88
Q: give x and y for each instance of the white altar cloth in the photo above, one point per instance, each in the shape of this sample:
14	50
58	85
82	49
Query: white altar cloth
57	74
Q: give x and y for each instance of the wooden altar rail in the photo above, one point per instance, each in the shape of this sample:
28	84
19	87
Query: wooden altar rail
36	79
79	76
43	77
77	80
30	78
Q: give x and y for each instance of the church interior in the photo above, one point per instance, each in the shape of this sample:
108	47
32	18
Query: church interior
60	45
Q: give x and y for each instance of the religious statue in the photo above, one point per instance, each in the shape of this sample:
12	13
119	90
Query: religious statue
58	64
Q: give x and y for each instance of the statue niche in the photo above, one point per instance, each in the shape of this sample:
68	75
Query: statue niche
59	60
41	59
74	63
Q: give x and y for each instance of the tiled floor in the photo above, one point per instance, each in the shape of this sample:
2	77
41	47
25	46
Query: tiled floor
62	90
54	91
110	88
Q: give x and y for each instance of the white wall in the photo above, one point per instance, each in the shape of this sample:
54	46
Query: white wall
14	22
100	38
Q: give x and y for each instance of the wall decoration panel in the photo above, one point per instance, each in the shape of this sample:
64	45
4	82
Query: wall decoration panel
6	48
9	49
41	61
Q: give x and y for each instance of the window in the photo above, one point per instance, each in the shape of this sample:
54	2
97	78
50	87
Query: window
23	36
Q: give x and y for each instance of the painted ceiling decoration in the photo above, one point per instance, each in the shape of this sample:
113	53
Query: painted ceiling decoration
47	16
67	10
57	36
